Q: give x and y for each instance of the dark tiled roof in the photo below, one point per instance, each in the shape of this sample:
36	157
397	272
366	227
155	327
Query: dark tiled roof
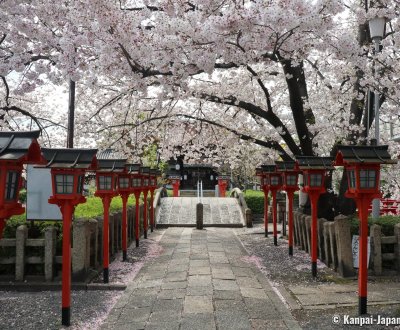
15	145
364	154
312	162
70	158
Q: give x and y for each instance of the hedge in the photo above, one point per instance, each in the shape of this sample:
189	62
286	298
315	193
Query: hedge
255	201
387	223
92	208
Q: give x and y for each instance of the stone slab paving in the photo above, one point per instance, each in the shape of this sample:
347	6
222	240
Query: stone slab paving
216	211
200	281
327	296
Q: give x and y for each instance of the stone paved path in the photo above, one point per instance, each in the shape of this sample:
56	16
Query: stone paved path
200	281
216	211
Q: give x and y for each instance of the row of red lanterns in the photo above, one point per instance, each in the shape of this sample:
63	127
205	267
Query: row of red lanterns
68	168
362	165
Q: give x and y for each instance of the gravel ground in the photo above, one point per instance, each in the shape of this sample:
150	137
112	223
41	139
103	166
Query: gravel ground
284	271
42	310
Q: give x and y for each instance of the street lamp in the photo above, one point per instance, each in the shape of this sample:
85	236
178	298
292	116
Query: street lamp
175	178
377	32
290	176
362	164
106	183
315	170
223	181
16	149
273	181
68	168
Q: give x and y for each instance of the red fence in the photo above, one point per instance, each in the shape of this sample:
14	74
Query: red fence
388	207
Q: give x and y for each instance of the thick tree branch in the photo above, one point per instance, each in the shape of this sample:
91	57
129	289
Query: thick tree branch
269	116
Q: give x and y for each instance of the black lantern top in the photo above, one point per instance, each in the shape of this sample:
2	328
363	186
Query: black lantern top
269	168
347	155
314	163
20	146
286	166
70	158
289	172
111	165
362	164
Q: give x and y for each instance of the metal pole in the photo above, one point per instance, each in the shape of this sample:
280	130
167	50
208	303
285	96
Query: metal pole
376	201
71	115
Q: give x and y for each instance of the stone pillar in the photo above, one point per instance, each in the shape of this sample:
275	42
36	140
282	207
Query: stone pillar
49	252
93	244
297	228
111	234
332	241
343	246
303	232
307	222
327	245
375	236
100	223
199	216
249	218
21	236
397	246
79	250
321	239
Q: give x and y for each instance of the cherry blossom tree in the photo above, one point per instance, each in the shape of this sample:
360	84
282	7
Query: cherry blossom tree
217	77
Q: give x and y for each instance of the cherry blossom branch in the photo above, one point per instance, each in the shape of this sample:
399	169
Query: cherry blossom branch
268	115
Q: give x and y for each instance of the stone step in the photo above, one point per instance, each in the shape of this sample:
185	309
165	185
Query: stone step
181	211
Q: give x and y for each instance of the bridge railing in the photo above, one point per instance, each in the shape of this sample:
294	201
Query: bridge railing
246	212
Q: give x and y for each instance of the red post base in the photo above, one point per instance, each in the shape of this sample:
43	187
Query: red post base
151	210
67	210
290	218
106	237
124	226
266	212
275	217
137	218
145	211
362	205
314	232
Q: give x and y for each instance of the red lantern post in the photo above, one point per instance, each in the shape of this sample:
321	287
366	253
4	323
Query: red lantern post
16	149
314	173
153	186
223	181
106	183
264	182
289	184
124	190
145	172
136	188
175	178
362	164
68	168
